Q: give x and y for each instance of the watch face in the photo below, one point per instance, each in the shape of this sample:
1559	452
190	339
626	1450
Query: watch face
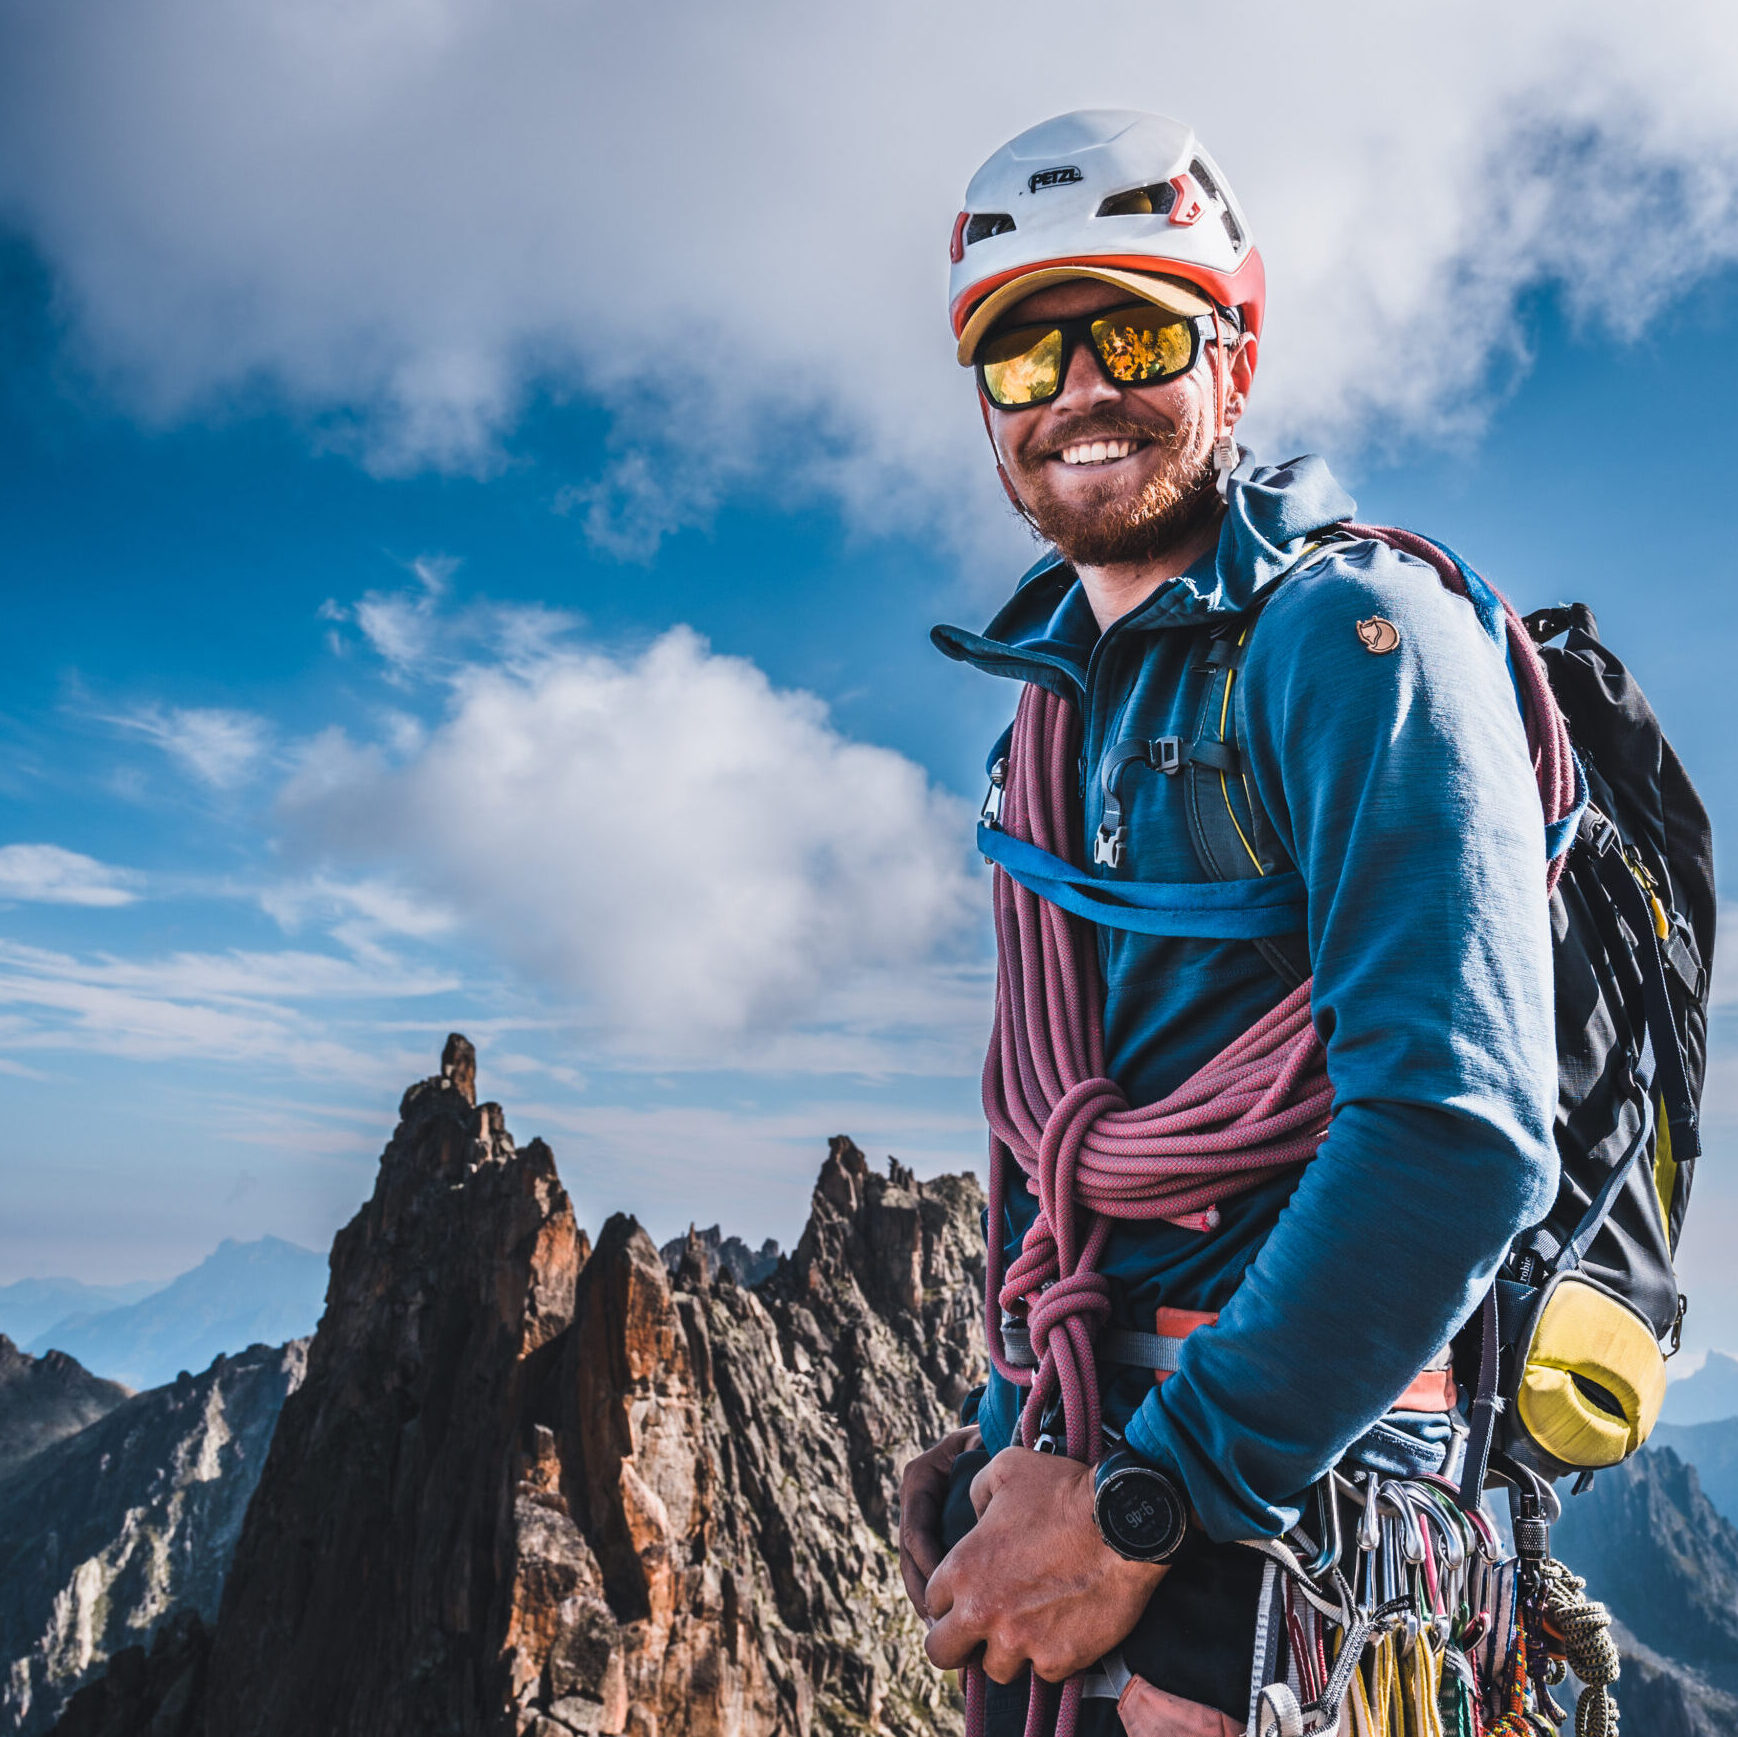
1142	1515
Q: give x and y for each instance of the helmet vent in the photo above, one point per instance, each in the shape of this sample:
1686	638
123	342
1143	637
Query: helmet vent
1231	228
1155	200
984	224
1204	175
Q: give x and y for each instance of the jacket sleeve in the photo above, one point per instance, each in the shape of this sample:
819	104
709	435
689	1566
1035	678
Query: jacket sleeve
1401	785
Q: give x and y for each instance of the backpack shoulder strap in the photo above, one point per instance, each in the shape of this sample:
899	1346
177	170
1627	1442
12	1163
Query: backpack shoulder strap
1226	847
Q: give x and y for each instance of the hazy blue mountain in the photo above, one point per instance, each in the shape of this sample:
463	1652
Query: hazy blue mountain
30	1307
243	1293
1712	1448
1707	1396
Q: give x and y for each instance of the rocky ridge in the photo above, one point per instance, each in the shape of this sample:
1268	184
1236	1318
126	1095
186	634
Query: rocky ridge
1654	1549
529	1488
721	1253
45	1399
1658	1697
106	1532
1712	1448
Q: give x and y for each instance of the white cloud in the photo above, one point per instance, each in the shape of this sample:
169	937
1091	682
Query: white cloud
702	860
227	1007
729	223
218	746
399	626
45	874
380	907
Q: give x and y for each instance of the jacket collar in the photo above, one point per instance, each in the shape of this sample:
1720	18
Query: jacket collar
1046	630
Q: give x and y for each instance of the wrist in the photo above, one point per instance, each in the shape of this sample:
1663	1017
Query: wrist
1141	1512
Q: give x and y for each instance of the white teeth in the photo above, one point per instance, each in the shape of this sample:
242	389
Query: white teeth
1096	451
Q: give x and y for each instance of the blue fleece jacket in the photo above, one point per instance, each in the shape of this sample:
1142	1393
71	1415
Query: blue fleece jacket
1400	786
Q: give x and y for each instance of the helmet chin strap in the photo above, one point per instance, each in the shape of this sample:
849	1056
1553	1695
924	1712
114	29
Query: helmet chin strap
1225	451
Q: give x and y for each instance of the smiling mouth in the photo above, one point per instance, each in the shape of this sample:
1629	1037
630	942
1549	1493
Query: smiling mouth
1089	452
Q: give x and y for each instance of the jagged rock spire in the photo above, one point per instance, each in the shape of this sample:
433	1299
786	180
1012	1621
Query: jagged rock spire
528	1491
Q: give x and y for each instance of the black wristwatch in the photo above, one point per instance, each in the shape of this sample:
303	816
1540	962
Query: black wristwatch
1142	1514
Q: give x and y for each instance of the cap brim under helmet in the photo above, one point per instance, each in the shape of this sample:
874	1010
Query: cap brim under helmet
1163	292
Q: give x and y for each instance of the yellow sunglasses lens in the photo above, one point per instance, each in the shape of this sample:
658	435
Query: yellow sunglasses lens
1022	366
1135	349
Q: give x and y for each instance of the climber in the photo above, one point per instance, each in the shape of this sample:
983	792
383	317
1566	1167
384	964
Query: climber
1259	693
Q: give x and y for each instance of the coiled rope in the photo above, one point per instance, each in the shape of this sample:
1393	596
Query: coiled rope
1258	1107
1584	1627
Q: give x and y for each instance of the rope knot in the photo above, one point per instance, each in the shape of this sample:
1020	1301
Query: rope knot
1082	1296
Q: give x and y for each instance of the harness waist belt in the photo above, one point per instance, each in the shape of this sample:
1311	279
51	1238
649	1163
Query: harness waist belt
1155	1351
1432	1389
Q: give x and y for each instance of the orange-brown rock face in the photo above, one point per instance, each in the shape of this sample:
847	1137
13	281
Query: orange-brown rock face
526	1492
366	1586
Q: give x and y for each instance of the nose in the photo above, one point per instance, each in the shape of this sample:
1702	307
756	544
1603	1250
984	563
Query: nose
1084	386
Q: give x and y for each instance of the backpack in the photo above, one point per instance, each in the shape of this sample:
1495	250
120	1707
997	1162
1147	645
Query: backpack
1564	1356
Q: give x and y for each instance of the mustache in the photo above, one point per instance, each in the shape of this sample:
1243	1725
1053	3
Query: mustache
1100	425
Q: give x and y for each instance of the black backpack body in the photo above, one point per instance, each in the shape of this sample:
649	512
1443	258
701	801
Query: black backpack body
1637	783
1566	1356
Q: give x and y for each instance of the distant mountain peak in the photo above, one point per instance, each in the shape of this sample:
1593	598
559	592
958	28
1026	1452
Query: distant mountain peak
1707	1396
262	1292
45	1399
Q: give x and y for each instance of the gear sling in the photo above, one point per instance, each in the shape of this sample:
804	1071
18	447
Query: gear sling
1564	1357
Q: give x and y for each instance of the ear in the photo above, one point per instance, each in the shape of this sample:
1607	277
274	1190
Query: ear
1243	360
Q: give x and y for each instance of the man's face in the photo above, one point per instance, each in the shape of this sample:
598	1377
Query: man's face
1153	479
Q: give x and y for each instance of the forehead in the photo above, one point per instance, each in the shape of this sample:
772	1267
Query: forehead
1063	301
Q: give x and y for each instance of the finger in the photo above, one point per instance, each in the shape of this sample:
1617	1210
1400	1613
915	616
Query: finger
916	1581
940	1588
921	1501
1002	1664
920	1531
988	1481
951	1643
962	1441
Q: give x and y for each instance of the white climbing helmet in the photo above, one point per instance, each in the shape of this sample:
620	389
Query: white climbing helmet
1112	194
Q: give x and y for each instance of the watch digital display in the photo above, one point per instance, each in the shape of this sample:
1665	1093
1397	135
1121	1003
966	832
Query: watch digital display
1141	1514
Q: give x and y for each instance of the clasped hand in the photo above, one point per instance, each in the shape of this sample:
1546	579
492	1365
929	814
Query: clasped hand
1033	1583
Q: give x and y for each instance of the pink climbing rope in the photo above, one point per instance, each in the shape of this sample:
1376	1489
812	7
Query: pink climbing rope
1258	1107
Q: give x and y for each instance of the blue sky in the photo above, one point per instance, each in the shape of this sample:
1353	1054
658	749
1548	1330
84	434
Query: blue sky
419	626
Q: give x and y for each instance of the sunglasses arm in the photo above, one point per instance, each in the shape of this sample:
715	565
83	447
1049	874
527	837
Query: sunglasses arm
1007	481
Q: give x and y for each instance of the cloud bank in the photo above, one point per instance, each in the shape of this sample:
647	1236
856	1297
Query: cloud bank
728	225
696	859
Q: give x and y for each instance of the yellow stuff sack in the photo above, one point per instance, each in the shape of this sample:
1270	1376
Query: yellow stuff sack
1594	1376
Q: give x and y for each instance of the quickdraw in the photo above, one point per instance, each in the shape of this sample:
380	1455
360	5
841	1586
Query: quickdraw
1428	1627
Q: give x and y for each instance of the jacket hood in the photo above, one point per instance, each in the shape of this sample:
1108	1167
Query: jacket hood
1269	510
